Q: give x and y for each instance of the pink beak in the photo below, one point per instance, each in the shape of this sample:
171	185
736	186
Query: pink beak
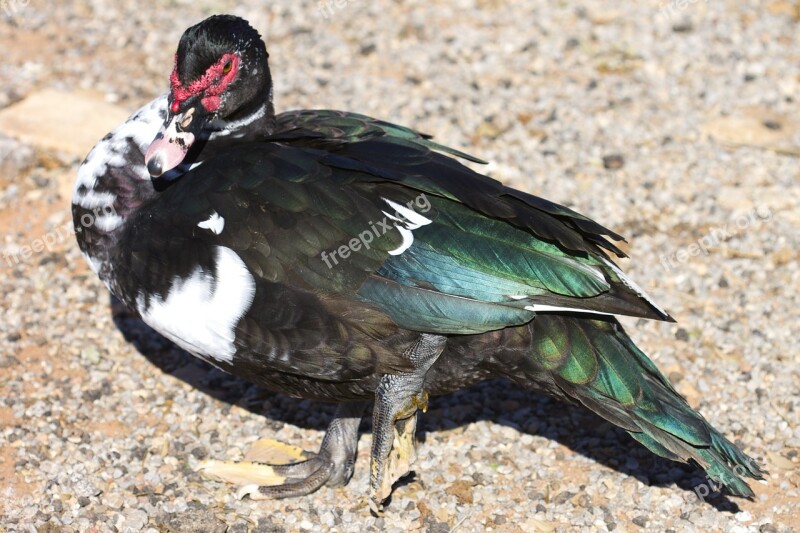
170	145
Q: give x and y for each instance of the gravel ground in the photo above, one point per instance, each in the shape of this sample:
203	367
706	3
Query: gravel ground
675	124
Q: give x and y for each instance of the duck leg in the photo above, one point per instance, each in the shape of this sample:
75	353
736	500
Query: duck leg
394	419
305	472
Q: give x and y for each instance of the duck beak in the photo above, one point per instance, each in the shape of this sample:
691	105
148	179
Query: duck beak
173	141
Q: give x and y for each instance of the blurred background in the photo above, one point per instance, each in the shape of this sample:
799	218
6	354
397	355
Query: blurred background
674	123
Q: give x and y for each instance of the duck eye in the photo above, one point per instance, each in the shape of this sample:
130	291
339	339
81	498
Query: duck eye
227	68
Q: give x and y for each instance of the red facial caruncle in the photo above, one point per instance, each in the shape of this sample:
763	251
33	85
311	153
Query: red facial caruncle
210	85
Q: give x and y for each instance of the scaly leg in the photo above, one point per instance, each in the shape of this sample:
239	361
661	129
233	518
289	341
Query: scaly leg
394	419
333	465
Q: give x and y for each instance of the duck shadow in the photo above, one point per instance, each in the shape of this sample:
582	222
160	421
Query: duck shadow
495	400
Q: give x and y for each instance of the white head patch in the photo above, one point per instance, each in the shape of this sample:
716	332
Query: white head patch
140	129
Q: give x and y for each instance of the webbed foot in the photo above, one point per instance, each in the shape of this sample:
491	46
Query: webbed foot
272	469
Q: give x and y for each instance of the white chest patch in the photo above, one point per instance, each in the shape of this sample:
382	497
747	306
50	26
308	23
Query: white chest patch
406	221
215	223
200	313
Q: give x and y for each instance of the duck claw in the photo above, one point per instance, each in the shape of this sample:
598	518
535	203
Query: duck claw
272	469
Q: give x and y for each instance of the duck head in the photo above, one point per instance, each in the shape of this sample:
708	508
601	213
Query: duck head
220	89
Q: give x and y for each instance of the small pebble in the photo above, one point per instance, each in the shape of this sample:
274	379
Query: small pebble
613	162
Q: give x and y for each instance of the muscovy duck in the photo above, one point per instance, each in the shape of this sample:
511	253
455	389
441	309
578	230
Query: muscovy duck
332	256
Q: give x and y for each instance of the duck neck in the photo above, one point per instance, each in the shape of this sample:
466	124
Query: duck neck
251	124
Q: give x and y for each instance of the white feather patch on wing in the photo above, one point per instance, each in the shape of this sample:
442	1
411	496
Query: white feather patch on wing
542	308
408	240
215	223
407	221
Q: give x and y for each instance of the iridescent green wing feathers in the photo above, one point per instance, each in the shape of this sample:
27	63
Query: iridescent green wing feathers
594	363
486	244
388	151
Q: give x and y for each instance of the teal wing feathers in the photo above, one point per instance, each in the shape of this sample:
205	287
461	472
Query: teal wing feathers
594	363
500	252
